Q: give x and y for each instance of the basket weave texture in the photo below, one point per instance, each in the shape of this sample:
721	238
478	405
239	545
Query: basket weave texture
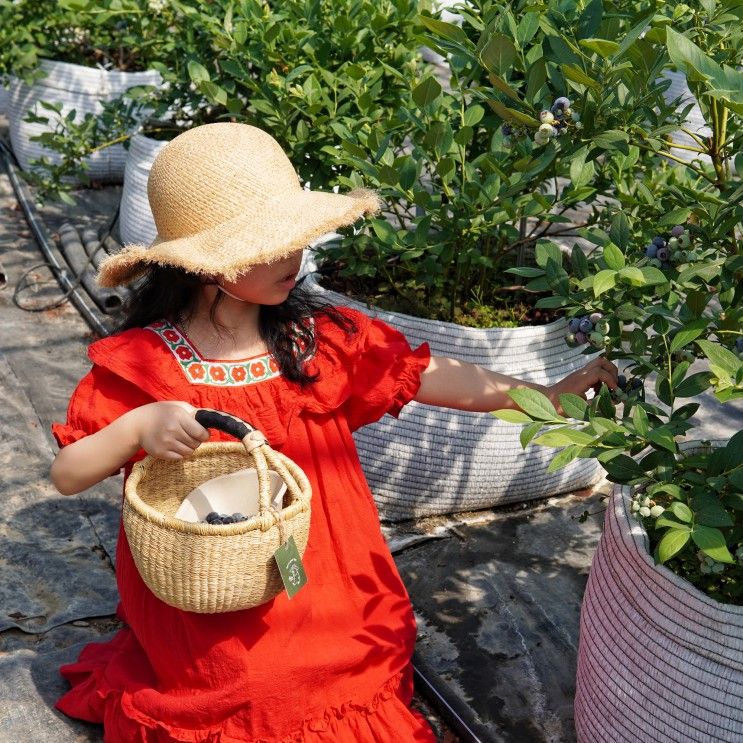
207	568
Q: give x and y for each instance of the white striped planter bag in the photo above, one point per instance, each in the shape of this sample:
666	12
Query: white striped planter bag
437	461
659	661
75	87
136	223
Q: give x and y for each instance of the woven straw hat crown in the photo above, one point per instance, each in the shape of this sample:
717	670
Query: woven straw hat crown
225	197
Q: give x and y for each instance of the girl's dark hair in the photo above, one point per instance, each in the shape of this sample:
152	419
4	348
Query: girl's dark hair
168	293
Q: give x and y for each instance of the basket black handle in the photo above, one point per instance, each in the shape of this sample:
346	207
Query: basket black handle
225	422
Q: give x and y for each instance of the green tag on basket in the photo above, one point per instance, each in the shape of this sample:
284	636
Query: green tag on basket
290	566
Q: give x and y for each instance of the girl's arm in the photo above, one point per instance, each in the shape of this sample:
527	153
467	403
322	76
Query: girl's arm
457	384
167	430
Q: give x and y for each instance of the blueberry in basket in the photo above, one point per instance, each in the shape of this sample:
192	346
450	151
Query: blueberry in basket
222	518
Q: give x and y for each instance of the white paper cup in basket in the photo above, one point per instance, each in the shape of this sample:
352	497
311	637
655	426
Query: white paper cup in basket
211	568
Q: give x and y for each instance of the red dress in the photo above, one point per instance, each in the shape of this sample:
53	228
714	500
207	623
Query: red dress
331	664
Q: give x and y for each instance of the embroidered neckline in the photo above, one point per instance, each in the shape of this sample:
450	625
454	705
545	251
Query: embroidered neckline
220	373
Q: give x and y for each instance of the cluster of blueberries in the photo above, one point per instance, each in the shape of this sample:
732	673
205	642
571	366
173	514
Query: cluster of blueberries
555	121
663	252
591	329
222	518
739	345
552	122
629	385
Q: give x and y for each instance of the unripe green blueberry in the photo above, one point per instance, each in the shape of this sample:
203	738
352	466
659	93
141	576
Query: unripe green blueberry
575	116
596	339
594	317
718	567
656	511
541	138
635	506
692	255
644	501
677	255
578	124
673	243
546	117
603	326
684	240
644	511
570	339
548	130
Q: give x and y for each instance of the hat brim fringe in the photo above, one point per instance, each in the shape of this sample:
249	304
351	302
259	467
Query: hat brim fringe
231	248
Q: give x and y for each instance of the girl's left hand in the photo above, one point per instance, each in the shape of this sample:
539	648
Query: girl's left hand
590	377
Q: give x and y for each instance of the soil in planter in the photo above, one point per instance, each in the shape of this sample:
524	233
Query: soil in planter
513	309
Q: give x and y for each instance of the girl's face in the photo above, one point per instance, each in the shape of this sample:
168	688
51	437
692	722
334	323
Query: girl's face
266	283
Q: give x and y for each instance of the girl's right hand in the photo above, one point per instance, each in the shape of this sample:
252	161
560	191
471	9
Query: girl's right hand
168	429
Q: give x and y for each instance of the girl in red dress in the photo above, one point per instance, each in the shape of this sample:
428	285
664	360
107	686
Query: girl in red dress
216	321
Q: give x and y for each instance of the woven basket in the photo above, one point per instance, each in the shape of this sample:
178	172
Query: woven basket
208	568
658	661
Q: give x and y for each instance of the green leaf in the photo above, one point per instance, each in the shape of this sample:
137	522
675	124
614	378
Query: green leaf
673	541
563	458
512	416
613	256
384	231
603	47
504	87
197	72
546	252
720	356
710	512
693	385
622	469
620	233
529	432
712	542
687	334
511	115
574	406
640	419
427	91
611	139
674	217
664	438
499	54
686	55
681	511
633	275
653	276
535	404
564	437
577	75
444	30
603	281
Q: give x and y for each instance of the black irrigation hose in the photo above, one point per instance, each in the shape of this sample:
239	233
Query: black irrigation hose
45	242
81	262
455	713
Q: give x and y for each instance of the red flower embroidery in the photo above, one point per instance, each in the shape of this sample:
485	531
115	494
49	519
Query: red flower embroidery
158	325
272	365
239	373
172	336
258	369
218	373
184	352
197	371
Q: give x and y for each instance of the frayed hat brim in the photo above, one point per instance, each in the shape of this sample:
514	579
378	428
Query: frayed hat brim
284	225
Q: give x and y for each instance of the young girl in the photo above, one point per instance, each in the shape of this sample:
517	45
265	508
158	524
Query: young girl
217	321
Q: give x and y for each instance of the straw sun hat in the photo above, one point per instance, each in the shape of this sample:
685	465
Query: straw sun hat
225	197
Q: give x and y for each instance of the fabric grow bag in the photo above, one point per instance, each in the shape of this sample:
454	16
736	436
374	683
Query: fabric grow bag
75	87
435	460
658	660
136	224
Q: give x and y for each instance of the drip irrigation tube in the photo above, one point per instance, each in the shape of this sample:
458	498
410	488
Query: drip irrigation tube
80	261
46	244
455	713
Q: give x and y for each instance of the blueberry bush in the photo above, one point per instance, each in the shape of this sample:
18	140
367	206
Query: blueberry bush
309	73
660	292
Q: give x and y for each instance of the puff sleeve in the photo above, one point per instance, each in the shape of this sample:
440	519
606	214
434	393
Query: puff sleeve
385	374
100	398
